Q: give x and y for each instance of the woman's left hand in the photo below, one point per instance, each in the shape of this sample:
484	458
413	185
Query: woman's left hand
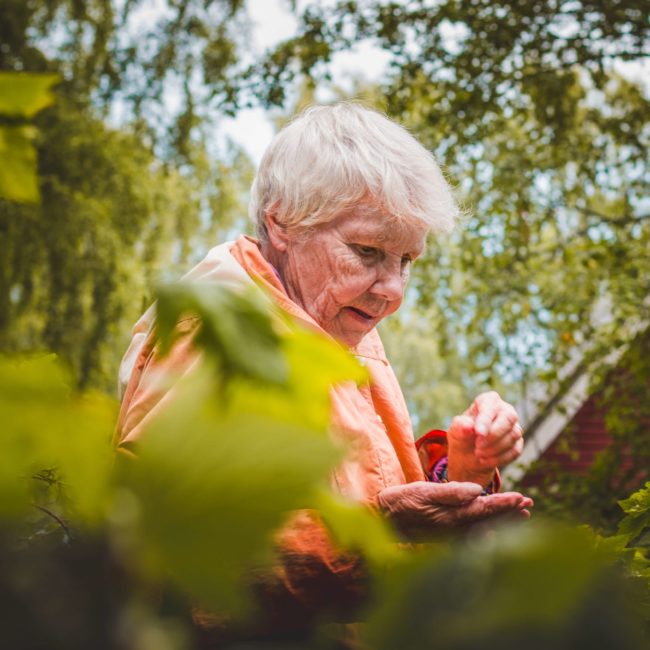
486	436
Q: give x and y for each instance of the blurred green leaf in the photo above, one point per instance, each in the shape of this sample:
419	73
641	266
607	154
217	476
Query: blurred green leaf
18	170
356	528
235	330
45	425
213	484
515	586
23	94
219	470
317	363
239	332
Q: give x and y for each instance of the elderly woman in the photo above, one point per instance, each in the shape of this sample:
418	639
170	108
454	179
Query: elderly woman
343	201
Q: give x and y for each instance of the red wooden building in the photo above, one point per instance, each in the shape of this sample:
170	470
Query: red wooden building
569	428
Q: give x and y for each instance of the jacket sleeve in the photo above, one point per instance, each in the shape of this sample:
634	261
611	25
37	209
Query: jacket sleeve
312	579
151	384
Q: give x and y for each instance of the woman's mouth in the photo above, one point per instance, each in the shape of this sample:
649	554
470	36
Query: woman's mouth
362	314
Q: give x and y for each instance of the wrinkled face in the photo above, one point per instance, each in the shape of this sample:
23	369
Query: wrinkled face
350	273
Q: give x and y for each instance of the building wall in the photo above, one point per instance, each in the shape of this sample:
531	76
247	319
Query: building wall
576	447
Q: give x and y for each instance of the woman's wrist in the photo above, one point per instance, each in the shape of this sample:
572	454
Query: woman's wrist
484	477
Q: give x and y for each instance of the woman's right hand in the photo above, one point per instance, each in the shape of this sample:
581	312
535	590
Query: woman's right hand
423	510
487	436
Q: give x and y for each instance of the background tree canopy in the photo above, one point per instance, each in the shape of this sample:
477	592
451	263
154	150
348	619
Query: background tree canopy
123	207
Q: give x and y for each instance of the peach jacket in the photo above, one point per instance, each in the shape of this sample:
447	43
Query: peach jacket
372	418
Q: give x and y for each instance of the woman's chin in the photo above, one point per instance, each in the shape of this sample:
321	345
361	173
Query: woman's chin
351	336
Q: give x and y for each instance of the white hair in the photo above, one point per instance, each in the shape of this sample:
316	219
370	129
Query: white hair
330	159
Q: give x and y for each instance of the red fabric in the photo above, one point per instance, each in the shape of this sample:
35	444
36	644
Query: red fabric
432	447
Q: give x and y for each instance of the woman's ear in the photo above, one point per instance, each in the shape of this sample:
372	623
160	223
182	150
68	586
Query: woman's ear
277	233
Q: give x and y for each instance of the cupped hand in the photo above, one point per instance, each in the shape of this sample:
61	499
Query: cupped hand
423	510
488	435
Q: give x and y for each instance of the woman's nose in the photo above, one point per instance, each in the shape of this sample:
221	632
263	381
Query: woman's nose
390	282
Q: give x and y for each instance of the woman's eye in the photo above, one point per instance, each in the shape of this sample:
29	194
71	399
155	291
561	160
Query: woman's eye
366	251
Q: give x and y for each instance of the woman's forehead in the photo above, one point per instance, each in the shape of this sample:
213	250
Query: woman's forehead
384	230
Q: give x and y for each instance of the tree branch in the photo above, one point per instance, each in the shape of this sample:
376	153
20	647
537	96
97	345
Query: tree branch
64	526
615	221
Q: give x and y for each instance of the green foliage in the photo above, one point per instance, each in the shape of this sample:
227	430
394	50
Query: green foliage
114	219
21	97
632	547
124	52
219	471
637	514
79	268
24	95
530	586
233	328
47	425
235	476
465	66
253	446
74	269
17	178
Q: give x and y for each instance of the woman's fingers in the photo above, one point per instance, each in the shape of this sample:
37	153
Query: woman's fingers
462	432
496	425
486	436
493	505
502	458
485	409
504	422
422	510
509	445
